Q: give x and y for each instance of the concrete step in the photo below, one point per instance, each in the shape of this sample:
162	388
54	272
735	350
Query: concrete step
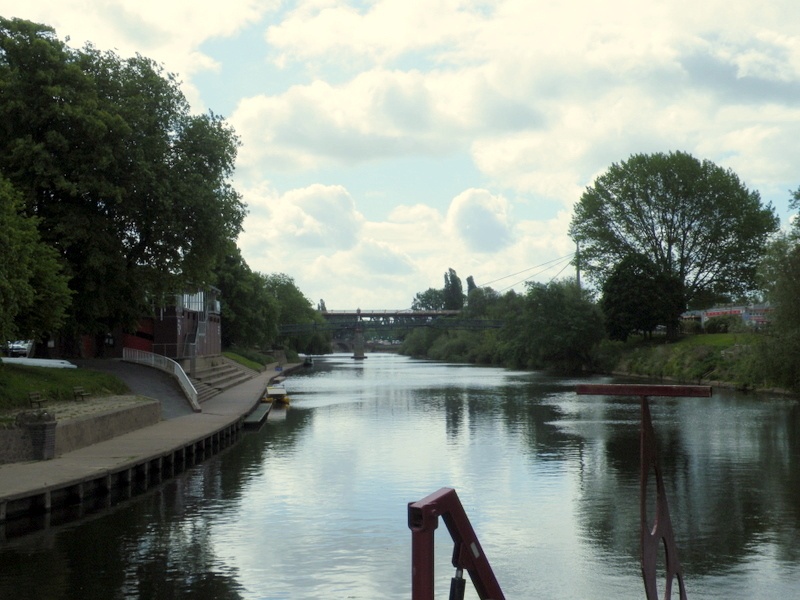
210	381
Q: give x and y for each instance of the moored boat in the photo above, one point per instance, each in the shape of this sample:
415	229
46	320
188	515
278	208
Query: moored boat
275	393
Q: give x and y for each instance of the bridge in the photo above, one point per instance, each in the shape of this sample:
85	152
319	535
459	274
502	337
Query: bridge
349	320
358	321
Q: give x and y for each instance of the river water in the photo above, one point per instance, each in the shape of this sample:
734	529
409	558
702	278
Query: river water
314	505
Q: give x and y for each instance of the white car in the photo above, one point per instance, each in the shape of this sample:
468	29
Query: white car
19	348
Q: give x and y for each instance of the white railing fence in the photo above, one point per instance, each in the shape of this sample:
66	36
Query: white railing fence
167	365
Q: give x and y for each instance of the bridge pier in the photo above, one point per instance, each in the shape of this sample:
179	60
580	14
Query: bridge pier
358	343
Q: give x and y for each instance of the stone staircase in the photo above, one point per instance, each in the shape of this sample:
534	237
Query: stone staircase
219	375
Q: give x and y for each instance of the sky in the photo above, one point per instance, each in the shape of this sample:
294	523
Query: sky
387	141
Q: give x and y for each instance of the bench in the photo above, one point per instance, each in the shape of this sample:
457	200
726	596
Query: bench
78	393
36	400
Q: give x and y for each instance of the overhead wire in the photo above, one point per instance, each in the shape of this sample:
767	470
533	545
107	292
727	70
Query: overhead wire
555	260
548	265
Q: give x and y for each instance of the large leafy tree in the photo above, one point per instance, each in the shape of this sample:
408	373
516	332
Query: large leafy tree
295	308
693	220
780	272
637	297
127	185
33	288
557	328
250	311
430	299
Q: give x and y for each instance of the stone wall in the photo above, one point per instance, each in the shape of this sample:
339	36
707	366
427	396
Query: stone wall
23	443
15	445
90	429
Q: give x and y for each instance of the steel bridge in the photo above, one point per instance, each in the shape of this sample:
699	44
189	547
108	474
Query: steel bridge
373	320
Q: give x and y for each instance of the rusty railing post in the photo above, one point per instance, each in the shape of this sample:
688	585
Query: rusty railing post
661	532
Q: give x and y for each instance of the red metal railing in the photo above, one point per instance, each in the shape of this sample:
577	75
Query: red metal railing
423	519
661	531
423	516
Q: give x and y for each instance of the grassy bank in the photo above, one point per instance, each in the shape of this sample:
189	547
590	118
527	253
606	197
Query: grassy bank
17	381
721	359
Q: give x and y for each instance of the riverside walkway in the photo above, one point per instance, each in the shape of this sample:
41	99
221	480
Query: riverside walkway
148	454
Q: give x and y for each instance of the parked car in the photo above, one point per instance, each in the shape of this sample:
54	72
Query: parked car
19	348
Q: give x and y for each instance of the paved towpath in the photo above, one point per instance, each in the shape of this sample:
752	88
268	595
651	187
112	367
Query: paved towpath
24	478
145	381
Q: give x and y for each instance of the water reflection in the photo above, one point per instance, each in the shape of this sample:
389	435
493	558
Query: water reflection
313	505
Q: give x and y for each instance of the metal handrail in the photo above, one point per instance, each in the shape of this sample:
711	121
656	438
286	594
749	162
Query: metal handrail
168	366
423	519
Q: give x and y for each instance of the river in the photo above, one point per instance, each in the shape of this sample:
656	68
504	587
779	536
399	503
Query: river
314	505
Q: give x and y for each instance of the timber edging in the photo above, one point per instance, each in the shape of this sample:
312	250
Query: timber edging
124	480
100	475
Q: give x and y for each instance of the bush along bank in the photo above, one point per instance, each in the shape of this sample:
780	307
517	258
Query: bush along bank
729	360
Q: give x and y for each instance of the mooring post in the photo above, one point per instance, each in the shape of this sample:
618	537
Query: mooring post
660	533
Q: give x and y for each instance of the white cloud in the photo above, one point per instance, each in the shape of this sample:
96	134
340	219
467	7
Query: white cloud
168	32
480	220
541	97
317	218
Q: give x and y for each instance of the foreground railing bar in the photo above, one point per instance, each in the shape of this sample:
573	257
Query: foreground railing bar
661	533
423	519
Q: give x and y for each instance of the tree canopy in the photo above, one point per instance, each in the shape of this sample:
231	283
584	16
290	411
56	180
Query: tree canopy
33	288
558	327
692	219
130	188
637	297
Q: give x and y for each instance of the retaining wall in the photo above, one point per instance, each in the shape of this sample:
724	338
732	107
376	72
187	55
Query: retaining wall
20	444
91	429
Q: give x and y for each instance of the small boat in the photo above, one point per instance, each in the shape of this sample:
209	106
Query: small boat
308	362
276	394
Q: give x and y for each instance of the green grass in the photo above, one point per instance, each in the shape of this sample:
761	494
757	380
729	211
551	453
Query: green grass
718	340
242	360
54	384
733	358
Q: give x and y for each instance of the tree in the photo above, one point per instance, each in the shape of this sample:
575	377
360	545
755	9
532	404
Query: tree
558	327
295	308
250	311
430	299
780	350
453	291
693	220
34	293
636	297
129	187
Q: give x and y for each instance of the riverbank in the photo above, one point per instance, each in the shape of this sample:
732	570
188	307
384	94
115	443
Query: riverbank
719	360
128	464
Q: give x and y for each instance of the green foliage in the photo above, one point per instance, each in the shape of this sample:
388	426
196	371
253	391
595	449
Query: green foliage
560	326
256	365
419	341
250	311
250	355
295	308
781	278
735	359
693	220
430	299
130	188
17	381
637	297
606	355
724	324
453	291
33	288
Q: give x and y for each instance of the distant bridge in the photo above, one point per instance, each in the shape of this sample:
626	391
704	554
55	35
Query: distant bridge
352	320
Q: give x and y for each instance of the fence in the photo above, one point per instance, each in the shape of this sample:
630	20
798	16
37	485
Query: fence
167	365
